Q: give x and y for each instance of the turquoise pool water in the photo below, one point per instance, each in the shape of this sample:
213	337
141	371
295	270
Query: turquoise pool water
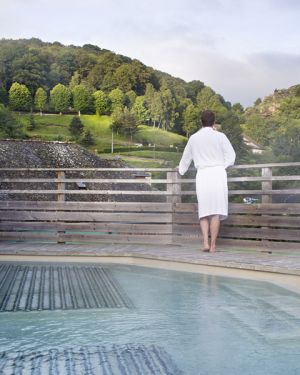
207	324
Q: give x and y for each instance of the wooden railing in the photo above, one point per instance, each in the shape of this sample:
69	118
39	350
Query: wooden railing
122	205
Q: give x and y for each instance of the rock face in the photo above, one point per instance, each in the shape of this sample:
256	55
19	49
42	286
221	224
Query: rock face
39	154
271	104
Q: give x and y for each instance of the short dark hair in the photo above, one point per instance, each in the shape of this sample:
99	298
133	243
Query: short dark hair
207	118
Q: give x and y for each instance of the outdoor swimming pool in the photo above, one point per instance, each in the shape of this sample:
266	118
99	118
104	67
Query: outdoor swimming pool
185	323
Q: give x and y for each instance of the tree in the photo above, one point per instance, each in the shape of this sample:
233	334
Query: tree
286	141
31	69
257	101
88	139
191	120
3	95
101	102
76	127
149	94
290	107
231	127
81	98
124	121
139	110
238	109
156	110
208	99
117	99
40	99
130	97
168	112
60	98
75	81
32	124
19	97
9	124
260	129
193	88
125	77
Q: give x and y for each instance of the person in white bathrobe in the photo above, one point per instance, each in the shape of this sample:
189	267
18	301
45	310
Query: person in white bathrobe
212	153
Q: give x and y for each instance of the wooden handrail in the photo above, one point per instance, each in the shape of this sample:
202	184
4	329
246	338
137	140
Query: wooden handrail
241	166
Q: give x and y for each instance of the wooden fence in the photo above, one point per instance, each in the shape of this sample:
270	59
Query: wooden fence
147	206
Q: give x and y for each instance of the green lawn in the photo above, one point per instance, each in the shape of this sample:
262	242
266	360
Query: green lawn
56	128
159	137
172	157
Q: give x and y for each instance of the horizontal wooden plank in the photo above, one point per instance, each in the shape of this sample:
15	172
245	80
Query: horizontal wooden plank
87	216
185	207
257	208
264	220
245	220
32	225
114	238
262	233
47	235
242	166
86	227
245	232
270	165
91	169
86	206
183	229
145	192
271	178
185	218
89	180
88	192
30	237
266	208
143	180
251	192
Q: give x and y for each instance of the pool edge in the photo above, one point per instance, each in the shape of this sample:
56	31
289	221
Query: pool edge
282	278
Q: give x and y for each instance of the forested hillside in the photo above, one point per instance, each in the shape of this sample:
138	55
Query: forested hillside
53	78
274	122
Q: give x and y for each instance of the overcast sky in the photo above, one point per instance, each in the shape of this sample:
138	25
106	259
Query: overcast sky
243	49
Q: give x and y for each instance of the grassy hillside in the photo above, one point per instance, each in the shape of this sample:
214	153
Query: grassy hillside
55	128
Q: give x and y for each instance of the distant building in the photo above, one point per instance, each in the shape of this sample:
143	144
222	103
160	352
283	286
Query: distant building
255	147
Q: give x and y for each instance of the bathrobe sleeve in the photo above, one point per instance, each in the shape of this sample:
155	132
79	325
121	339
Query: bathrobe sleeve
228	152
186	159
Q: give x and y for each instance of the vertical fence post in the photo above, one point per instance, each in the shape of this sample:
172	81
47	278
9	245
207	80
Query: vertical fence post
61	197
266	185
266	198
174	189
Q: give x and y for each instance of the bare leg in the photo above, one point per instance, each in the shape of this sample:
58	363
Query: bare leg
204	225
214	230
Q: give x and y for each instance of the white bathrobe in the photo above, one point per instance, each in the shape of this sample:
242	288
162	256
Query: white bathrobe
212	153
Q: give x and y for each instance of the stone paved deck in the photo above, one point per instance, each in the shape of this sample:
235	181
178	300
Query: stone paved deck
287	263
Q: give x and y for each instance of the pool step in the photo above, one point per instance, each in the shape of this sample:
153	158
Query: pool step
59	287
118	360
270	317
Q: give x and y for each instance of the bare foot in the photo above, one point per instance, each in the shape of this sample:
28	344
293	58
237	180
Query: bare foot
206	246
212	250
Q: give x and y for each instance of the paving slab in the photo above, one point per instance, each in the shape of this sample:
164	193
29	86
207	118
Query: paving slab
282	263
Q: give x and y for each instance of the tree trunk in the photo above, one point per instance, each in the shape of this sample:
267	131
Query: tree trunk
79	113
